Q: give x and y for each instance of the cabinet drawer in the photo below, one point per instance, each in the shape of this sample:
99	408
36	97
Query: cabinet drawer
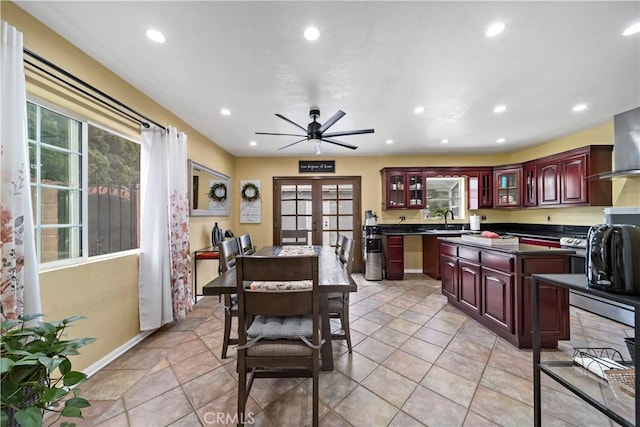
470	254
545	265
498	262
448	249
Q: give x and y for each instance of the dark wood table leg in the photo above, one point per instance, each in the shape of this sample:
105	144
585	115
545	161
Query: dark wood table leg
327	350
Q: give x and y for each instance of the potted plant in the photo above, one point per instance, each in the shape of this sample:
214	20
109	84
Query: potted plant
439	212
36	373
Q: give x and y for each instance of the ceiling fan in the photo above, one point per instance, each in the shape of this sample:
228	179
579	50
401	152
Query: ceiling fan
316	131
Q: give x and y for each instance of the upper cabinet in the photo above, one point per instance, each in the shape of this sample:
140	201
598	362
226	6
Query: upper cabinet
530	184
570	178
564	179
403	189
507	186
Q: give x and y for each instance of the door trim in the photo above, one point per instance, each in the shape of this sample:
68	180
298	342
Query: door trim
317	181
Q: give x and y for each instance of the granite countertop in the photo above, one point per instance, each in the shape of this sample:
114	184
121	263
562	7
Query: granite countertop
432	232
519	249
537	231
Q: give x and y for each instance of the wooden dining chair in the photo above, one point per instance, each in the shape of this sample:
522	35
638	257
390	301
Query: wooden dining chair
229	250
245	244
294	237
339	243
279	322
339	301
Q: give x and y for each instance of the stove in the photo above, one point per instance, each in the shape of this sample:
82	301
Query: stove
578	243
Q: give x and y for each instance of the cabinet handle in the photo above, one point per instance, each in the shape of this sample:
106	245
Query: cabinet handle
468	270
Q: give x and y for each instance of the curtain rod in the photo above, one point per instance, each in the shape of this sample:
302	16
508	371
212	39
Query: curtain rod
110	101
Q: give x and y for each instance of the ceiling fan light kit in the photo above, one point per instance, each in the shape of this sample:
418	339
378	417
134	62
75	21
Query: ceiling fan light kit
315	132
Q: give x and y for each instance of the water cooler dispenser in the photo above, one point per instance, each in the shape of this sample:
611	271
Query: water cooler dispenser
372	248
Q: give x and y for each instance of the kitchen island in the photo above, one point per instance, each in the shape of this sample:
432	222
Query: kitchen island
492	284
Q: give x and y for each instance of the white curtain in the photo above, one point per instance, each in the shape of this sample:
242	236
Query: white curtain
19	280
165	277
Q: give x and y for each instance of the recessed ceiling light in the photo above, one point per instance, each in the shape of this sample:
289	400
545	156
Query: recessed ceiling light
494	29
156	36
444	141
579	107
500	140
634	29
225	112
253	143
418	110
500	109
389	141
311	33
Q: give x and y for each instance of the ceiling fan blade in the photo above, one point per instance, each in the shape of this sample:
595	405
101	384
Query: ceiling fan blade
293	143
332	120
292	122
340	143
287	134
349	132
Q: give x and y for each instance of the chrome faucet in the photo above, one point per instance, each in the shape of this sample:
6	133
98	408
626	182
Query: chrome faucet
446	226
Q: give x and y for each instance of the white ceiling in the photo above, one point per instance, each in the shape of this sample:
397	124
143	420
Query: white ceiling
376	61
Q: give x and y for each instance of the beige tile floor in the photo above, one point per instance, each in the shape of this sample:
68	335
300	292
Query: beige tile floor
417	361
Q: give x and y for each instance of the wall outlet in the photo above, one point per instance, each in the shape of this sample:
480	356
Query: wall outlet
403	218
549	218
483	217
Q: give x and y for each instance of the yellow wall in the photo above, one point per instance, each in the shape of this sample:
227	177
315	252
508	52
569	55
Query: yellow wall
106	291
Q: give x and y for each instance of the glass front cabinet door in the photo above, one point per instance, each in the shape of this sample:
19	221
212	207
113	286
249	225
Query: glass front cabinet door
508	187
402	189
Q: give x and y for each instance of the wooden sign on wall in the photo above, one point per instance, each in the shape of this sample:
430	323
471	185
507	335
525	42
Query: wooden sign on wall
316	166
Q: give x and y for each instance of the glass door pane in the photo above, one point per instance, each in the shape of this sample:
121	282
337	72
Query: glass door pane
296	208
337	212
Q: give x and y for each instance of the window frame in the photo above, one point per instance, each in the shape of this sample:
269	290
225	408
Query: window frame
85	122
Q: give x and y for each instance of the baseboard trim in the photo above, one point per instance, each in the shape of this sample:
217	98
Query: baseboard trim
414	270
97	366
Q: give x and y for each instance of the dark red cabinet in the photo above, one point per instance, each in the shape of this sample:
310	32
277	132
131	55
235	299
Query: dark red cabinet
530	187
574	179
469	282
403	189
494	288
570	178
497	294
549	183
507	187
394	257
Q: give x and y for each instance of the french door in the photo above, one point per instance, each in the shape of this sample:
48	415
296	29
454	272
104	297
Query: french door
323	207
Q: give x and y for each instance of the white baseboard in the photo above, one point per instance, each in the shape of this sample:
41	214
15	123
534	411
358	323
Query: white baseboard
95	367
413	271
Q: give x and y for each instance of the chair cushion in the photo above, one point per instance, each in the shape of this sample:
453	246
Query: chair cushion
296	285
275	327
281	348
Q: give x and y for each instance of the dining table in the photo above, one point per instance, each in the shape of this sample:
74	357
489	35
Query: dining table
332	277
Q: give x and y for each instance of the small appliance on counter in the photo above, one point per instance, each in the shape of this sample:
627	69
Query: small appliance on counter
613	258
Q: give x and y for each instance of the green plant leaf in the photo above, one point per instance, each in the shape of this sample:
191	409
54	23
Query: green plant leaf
71	411
53	394
29	417
50	363
73	377
5	365
71	319
65	366
78	402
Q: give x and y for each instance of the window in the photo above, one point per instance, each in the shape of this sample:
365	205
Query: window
85	184
446	193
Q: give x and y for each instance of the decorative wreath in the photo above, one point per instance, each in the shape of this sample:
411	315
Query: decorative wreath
218	192
250	192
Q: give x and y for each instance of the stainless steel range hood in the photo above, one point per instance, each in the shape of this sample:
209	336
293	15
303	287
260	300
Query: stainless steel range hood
626	145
